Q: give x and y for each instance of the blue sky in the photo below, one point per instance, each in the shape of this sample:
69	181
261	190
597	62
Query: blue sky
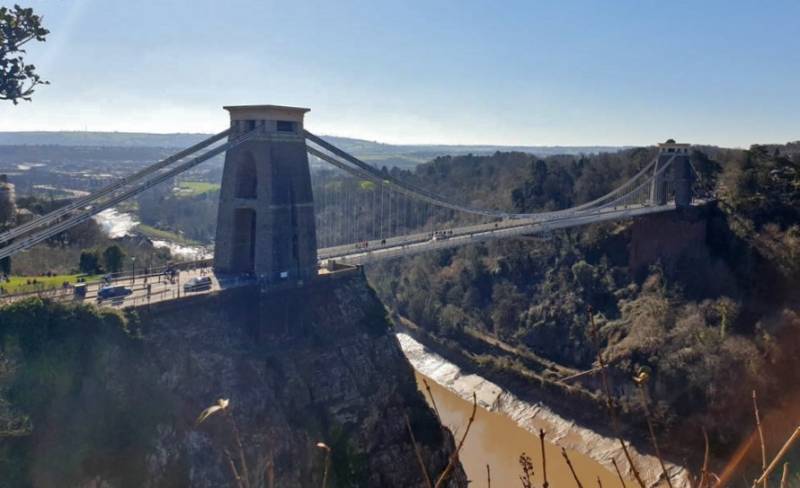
467	72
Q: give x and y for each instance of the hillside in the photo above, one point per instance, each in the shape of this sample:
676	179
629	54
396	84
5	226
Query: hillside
705	300
375	152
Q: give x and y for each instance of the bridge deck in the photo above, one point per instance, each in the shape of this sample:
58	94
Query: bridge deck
421	242
163	289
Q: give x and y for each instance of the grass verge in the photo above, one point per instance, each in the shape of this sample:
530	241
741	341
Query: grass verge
22	284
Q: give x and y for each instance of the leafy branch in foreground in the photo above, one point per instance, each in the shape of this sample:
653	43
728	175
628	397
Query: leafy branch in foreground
18	26
244	476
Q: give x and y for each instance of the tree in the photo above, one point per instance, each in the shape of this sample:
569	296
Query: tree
585	274
509	304
89	261
17	27
7	210
113	257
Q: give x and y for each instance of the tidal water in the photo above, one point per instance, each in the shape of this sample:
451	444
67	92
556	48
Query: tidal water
506	426
115	224
498	441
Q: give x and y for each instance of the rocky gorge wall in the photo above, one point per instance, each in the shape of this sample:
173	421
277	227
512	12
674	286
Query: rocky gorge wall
300	366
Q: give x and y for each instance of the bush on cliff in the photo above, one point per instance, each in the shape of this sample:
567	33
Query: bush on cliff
77	370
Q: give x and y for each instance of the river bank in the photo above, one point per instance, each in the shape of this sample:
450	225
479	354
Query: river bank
562	431
116	224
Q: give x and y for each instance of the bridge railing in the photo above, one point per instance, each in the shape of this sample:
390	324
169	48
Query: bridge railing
119	278
624	194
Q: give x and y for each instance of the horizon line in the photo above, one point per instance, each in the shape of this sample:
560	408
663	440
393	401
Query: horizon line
430	144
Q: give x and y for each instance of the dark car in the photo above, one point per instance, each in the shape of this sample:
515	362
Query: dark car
108	292
198	283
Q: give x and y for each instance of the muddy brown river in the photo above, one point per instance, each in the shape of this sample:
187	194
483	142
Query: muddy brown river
498	441
506	426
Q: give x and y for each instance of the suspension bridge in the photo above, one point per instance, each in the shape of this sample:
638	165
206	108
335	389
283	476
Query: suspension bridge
278	221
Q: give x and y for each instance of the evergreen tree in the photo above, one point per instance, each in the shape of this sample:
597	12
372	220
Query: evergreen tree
113	257
89	261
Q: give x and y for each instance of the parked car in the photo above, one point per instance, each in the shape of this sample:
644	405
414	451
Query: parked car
197	283
107	292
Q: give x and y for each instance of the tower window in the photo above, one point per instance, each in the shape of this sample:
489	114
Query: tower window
285	126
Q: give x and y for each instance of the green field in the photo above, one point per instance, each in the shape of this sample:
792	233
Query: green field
20	284
194	188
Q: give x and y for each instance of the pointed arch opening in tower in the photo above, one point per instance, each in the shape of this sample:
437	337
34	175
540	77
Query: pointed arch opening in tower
247	177
244	240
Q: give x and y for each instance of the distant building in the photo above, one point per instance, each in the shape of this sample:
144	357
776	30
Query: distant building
8	208
24	216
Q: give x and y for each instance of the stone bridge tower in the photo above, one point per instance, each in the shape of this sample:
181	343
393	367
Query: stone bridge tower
679	176
265	223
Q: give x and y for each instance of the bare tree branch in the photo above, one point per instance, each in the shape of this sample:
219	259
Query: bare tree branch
422	467
571	469
454	457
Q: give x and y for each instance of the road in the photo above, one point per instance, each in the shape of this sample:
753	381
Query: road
161	288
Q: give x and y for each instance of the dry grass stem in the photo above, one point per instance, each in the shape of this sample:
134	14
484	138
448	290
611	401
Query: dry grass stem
422	467
619	474
760	436
641	381
234	471
704	470
545	484
433	401
488	477
454	457
571	469
327	450
527	471
784	476
220	406
240	447
609	402
789	442
240	473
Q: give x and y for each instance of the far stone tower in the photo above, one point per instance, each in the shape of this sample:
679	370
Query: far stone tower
679	175
265	223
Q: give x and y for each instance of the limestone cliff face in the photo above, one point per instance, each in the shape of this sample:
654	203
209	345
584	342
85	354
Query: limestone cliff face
299	366
672	236
689	245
